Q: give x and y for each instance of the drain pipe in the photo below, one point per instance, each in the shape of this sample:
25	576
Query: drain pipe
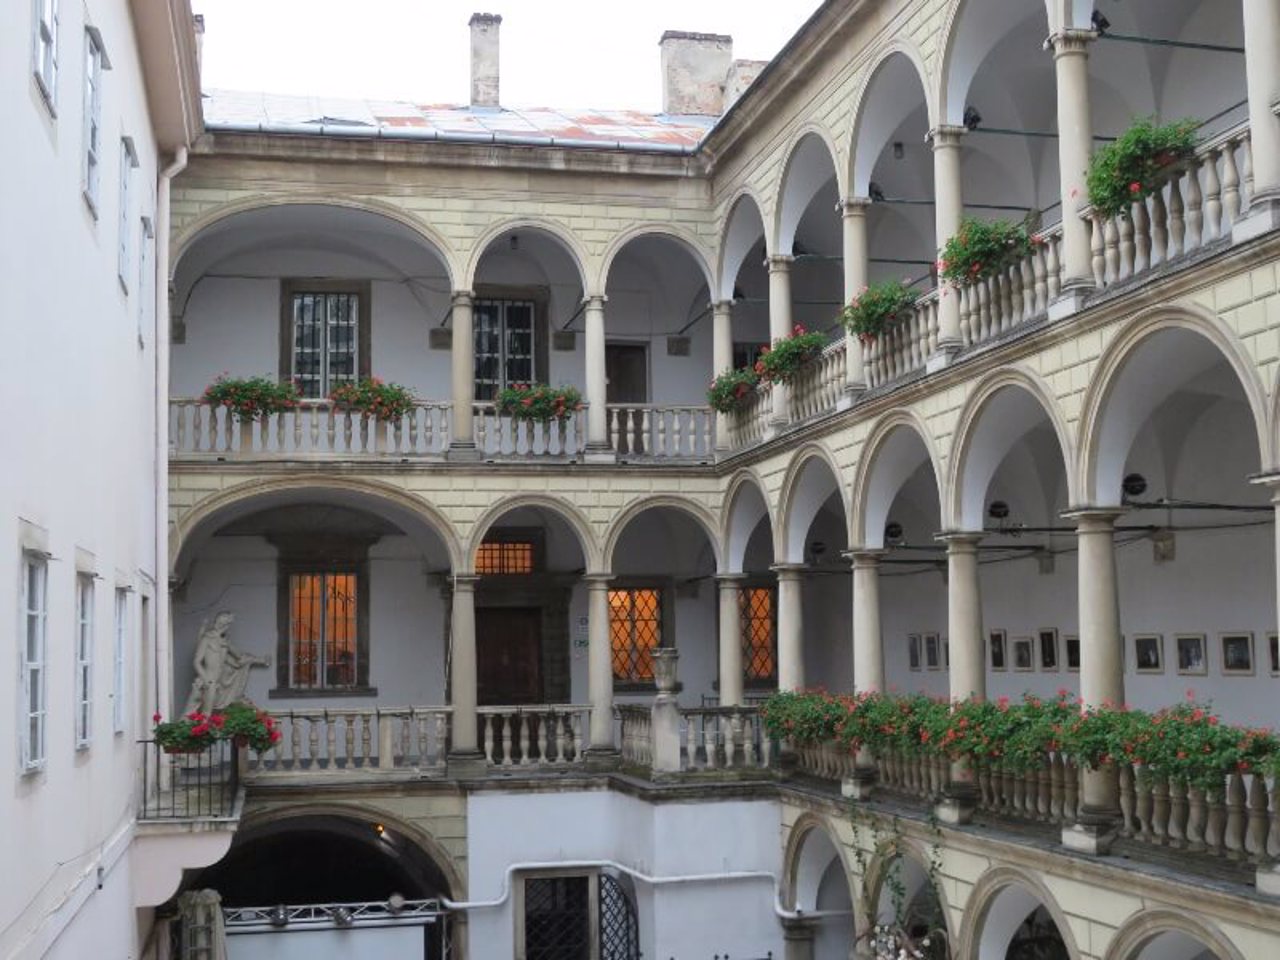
781	911
161	641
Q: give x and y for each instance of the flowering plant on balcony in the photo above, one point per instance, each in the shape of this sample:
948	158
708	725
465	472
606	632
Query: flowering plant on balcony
248	726
250	398
374	398
731	390
537	401
779	362
876	307
982	248
190	734
1137	164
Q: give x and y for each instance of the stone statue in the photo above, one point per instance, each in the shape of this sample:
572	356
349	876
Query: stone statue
222	671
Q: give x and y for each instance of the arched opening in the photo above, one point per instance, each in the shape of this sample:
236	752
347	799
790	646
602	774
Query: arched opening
809	231
1013	487
1174	441
749	551
892	166
901	516
744	279
663	594
909	914
658	341
1017	926
1174	945
321	294
815	535
821	888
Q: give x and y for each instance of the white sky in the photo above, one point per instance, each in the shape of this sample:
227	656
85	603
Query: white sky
558	53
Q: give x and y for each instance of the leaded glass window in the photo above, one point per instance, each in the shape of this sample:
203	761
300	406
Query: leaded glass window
635	631
503	331
505	557
326	341
557	918
323	630
759	640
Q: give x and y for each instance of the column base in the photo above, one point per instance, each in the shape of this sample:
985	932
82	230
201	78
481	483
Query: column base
466	765
462	452
957	804
598	453
1262	217
1093	834
1268	880
601	759
1070	301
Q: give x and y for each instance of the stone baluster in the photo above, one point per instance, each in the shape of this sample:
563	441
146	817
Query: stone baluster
1159	229
1071	792
1112	254
1230	185
1044	797
1233	839
1141	237
1215	825
1255	840
1127	799
1142	804
1056	789
1159	810
1196	814
1177	220
691	741
1097	248
1027	282
489	738
544	721
1195	210
508	737
1124	224
1212	198
366	736
1176	829
1006	280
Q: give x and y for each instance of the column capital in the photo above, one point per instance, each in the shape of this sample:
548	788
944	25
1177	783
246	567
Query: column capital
789	571
722	307
854	206
728	580
464	581
864	558
959	541
1090	519
1070	42
463	298
597	579
779	262
595	300
945	136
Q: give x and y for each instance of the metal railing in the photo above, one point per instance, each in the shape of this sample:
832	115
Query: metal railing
200	785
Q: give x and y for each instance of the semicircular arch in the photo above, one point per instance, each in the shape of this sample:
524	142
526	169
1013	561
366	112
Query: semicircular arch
559	234
742	228
811	153
887	461
737	525
796	887
988	890
560	507
1147	924
802	495
685	239
875	122
703	517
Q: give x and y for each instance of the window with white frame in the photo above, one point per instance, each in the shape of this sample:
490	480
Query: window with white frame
124	252
503	331
92	120
84	660
35	609
44	58
118	647
146	231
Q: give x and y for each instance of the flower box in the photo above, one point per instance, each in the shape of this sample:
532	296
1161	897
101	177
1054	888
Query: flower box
248	399
783	359
732	390
538	402
876	307
1138	164
372	397
983	248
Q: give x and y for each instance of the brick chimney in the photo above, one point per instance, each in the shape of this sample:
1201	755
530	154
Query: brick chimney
484	59
695	67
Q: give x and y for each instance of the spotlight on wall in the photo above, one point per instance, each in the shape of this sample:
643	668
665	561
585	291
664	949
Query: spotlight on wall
898	150
998	510
395	904
342	916
893	533
875	192
1100	23
279	916
379	829
972	118
817	548
515	241
1134	485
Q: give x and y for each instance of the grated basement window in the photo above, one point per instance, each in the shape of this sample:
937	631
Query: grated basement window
557	922
619	931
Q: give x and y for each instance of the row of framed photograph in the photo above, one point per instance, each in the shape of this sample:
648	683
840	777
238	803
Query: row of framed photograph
931	651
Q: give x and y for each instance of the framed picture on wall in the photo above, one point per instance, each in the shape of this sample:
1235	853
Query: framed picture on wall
996	643
1191	658
913	651
1148	653
1273	646
1023	654
1237	654
1071	646
1049	650
932	656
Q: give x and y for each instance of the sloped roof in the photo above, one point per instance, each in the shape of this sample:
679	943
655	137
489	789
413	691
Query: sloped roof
233	111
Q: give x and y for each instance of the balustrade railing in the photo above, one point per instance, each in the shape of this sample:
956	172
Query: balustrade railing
498	434
638	430
354	740
902	347
311	428
726	738
1197	207
543	735
635	738
819	385
1015	295
750	422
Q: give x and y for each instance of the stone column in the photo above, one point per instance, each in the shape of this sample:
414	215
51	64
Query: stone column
790	625
730	639
722	359
868	643
1262	80
596	380
797	936
779	328
948	211
968	669
855	281
1075	145
462	672
599	663
1101	668
463	370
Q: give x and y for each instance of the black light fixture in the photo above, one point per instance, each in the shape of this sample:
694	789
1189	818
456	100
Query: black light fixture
972	118
875	192
1134	485
1100	23
279	916
893	533
515	241
899	151
998	510
817	548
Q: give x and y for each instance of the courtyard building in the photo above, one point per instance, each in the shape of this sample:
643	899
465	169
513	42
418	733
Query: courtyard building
516	672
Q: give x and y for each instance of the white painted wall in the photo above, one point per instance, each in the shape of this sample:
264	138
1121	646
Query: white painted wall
679	920
78	382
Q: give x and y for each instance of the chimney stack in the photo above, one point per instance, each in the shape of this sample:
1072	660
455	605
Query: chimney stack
695	67
484	59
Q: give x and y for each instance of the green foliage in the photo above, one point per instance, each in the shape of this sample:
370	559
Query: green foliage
1137	164
372	397
240	722
732	389
251	726
876	307
982	248
539	402
250	398
780	362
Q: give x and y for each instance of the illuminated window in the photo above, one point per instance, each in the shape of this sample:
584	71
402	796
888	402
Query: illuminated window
635	631
515	556
323	630
759	640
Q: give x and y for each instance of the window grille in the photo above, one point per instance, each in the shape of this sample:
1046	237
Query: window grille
557	918
117	659
759	639
35	614
619	929
504	347
326	328
92	120
505	557
84	659
45	49
635	631
322	630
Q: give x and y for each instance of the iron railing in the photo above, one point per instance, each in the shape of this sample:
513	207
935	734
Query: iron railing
202	785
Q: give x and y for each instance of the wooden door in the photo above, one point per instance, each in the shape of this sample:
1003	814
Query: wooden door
627	369
508	655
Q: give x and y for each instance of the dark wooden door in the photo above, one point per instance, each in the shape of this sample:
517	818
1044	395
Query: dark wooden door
627	369
509	655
